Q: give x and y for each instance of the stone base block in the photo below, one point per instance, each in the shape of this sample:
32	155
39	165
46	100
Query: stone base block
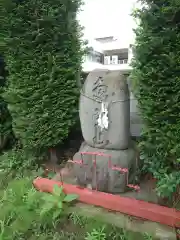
106	172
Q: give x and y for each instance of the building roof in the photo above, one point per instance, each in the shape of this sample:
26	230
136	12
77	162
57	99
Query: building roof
109	38
95	45
116	44
110	43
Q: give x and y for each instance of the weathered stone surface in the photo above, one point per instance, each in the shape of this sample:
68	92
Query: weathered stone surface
135	119
96	171
105	110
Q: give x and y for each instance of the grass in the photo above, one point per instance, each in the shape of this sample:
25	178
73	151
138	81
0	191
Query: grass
27	214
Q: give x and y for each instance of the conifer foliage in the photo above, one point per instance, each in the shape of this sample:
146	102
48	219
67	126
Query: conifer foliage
6	134
156	76
40	40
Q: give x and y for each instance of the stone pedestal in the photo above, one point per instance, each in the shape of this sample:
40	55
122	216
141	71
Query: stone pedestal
101	171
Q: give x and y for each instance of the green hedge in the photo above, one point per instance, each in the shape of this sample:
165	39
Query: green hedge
6	135
41	43
156	77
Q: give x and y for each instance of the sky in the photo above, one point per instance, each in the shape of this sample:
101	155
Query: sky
108	17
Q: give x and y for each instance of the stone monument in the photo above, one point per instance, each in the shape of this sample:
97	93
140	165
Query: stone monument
107	158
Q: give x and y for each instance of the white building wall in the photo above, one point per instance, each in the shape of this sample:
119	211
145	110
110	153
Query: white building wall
111	65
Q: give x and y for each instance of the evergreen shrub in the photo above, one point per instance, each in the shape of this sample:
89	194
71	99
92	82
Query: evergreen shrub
6	135
156	78
41	42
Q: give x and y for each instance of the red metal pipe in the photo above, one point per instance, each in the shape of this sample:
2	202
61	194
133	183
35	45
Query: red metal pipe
130	206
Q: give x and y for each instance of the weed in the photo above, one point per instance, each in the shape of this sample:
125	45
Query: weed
56	201
97	234
147	237
22	209
27	214
78	220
